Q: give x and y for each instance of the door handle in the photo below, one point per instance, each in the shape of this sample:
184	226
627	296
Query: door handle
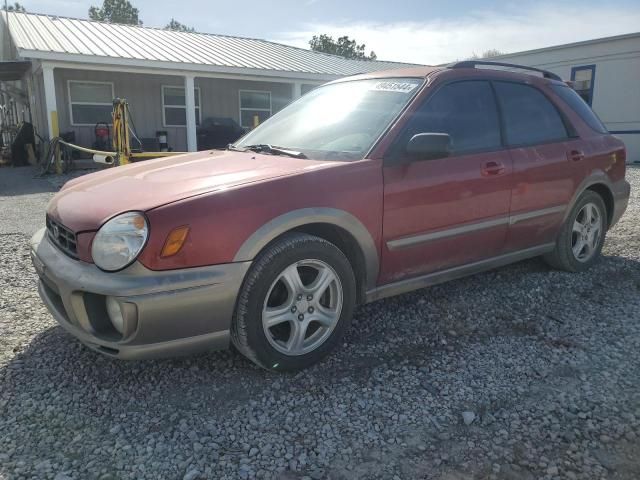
492	168
575	155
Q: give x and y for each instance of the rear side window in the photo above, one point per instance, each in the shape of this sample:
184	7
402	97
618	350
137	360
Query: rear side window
578	105
466	110
529	117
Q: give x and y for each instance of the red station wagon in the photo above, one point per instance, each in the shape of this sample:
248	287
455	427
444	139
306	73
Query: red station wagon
367	187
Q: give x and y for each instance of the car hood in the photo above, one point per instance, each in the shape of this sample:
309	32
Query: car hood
88	201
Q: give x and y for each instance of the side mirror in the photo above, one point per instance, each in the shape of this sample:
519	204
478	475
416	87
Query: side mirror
429	146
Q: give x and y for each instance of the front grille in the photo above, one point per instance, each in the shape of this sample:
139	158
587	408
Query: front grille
64	238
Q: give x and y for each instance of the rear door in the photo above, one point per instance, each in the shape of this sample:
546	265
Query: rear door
547	163
449	211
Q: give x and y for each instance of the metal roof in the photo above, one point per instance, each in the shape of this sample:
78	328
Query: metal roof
70	39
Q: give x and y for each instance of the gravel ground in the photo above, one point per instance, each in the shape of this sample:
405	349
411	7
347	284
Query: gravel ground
518	373
23	197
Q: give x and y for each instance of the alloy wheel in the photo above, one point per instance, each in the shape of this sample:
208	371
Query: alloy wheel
302	307
586	233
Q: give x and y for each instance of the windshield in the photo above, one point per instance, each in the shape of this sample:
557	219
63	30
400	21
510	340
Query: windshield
336	121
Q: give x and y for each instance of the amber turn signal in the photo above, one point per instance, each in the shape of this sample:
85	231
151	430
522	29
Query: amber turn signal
174	241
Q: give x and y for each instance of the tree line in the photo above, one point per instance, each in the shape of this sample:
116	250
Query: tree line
113	11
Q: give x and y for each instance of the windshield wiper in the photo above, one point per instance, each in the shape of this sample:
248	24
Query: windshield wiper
231	146
274	150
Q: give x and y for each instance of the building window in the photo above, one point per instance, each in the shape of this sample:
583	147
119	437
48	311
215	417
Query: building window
90	102
252	103
583	79
174	106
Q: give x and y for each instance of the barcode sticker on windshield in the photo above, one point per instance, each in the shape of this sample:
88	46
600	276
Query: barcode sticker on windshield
404	87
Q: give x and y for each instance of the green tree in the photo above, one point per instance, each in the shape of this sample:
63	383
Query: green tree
16	7
116	11
344	46
177	26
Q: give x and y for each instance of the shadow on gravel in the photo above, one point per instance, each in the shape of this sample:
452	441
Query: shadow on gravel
525	300
502	331
16	181
209	379
434	313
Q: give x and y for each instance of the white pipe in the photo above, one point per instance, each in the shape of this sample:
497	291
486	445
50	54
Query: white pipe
104	159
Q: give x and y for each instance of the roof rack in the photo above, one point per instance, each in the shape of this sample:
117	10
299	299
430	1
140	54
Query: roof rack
474	63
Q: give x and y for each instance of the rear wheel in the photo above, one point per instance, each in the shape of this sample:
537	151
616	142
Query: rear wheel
582	236
295	304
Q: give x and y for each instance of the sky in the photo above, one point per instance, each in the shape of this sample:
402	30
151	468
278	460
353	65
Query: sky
426	32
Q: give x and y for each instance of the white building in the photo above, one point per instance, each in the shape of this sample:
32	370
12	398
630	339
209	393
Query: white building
65	72
606	73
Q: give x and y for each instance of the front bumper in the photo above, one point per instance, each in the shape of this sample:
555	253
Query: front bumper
165	313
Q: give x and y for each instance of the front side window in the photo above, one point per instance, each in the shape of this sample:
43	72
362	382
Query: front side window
529	117
578	105
174	106
337	121
583	82
465	110
90	102
254	104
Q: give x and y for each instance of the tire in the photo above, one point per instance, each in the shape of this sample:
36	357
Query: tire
564	256
295	303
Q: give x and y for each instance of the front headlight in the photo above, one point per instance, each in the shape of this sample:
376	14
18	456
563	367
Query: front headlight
119	241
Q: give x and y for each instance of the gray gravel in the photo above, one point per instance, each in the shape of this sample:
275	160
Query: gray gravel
518	373
23	197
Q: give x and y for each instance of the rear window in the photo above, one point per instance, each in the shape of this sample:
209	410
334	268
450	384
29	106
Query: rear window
578	105
529	117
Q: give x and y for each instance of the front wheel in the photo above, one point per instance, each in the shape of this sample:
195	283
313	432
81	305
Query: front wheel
295	304
582	236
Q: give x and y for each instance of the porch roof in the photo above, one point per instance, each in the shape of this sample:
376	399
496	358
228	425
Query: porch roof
49	37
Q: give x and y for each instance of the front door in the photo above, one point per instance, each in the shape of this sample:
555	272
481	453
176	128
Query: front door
449	211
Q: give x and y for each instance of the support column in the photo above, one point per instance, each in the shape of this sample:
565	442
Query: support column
50	100
190	100
296	91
